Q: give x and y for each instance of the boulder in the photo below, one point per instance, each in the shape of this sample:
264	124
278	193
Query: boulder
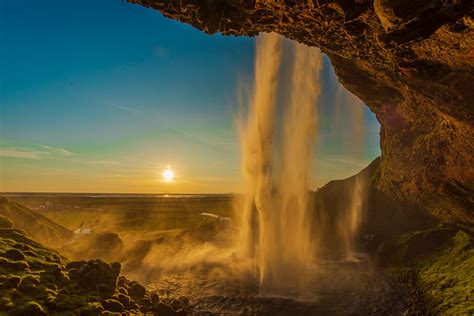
136	291
96	272
113	305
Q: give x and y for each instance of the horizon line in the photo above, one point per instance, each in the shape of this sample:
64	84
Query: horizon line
117	193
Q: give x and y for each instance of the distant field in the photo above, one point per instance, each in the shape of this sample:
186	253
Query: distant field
125	213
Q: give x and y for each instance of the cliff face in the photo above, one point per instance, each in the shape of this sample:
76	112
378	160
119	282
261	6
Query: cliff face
411	62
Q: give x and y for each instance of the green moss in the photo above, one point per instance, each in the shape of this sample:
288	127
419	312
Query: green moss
29	309
441	263
70	302
6	303
92	309
35	280
448	278
13	265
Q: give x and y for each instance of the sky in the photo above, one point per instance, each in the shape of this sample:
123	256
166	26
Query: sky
102	96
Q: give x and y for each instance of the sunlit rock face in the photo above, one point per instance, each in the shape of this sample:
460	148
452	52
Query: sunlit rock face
411	62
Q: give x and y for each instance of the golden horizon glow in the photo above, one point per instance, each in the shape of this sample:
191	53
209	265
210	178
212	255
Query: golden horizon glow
168	174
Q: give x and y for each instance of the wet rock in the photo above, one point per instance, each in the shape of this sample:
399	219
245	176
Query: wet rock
15	254
121	282
176	304
122	290
164	310
122	298
184	300
13	281
155	298
92	309
113	305
107	242
29	283
75	264
136	290
30	309
95	273
181	312
146	300
14	265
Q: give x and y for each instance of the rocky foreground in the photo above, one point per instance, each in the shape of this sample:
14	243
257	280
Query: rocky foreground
35	280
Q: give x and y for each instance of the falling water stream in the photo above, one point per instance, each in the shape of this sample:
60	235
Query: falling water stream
277	167
277	155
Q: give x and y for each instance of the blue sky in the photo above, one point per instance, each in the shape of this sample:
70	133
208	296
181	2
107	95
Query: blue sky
100	96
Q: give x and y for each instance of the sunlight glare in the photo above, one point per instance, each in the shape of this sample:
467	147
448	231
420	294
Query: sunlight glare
168	174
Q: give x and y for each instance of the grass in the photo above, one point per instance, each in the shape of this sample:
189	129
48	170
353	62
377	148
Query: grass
447	278
441	263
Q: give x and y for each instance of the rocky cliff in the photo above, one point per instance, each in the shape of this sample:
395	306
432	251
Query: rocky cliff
411	62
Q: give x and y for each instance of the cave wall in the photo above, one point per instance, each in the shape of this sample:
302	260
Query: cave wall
411	62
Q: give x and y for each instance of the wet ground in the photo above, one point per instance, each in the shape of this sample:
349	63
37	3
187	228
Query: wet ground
338	288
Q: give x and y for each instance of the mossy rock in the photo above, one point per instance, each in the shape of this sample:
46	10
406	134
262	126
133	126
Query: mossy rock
67	302
136	290
13	281
92	309
122	298
6	303
96	273
29	309
164	310
14	254
44	283
113	305
5	222
440	262
14	265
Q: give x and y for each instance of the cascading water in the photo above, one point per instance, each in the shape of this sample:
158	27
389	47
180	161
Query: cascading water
275	229
280	230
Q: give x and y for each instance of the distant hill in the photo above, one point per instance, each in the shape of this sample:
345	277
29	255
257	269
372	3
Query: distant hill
37	226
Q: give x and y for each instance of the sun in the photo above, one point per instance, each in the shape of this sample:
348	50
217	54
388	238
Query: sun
168	174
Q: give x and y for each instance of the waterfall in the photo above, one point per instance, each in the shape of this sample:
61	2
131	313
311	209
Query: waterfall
282	232
274	228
